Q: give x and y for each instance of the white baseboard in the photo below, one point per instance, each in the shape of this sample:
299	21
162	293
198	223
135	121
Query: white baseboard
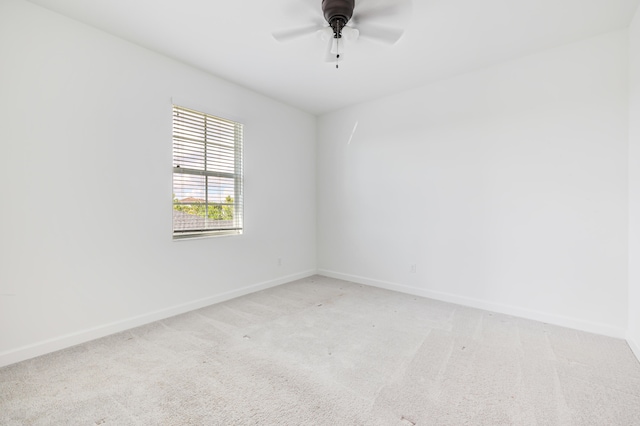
574	323
51	345
635	347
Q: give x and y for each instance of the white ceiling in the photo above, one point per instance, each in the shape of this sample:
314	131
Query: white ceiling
232	39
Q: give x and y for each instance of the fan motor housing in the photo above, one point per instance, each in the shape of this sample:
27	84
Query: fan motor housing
338	9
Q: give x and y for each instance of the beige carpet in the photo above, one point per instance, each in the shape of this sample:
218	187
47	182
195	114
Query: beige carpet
322	351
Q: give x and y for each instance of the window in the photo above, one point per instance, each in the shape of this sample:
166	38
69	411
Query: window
207	175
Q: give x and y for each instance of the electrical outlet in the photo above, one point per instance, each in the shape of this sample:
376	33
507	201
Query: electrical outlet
413	268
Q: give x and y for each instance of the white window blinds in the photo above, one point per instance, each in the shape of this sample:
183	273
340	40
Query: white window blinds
207	174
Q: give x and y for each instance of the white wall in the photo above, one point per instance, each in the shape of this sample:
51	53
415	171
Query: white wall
634	185
506	187
85	223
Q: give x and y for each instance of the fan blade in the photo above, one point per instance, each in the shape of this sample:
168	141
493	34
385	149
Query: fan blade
381	34
294	33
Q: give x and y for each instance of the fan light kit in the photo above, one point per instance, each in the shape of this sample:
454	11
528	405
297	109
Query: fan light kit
338	13
346	22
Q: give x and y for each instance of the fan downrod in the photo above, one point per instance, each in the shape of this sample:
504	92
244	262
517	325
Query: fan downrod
337	13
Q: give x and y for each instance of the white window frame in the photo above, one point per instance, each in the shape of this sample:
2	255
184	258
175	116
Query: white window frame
188	138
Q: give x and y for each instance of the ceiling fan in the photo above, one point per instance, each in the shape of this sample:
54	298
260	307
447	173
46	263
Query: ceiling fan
346	21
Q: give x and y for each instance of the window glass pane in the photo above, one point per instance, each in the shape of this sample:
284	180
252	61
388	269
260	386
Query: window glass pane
207	178
220	189
188	188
